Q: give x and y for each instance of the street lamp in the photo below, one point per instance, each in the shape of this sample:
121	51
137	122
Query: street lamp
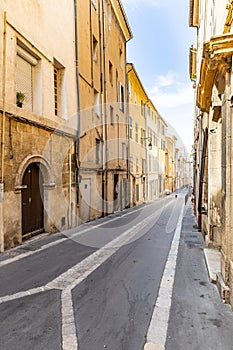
149	142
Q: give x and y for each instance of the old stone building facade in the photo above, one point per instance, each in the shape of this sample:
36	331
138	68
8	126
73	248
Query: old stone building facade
37	96
65	118
137	136
103	32
211	72
63	115
170	163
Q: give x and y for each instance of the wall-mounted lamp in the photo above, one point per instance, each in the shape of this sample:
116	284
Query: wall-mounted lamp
149	142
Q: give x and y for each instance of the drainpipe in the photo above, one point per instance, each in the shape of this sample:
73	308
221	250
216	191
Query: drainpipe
127	138
78	104
70	184
104	108
3	140
201	181
101	111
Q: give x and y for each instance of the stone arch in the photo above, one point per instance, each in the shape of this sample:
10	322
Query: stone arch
45	169
48	184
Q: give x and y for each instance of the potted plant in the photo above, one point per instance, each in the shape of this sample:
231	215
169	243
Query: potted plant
20	96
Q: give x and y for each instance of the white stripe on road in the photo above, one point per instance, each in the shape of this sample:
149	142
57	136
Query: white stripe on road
69	336
22	294
83	269
75	275
70	236
25	255
157	332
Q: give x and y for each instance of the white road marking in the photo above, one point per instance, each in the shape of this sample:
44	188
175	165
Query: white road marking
69	336
157	332
23	294
83	269
25	255
75	275
51	244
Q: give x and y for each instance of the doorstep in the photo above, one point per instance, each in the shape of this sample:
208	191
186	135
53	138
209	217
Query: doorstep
212	259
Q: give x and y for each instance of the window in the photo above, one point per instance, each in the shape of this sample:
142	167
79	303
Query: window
96	103
154	138
137	192
95	49
163	130
97	149
110	73
135	98
130	127
137	169
131	163
136	132
123	151
121	97
149	163
143	165
28	79
130	90
60	108
142	108
121	58
143	137
111	115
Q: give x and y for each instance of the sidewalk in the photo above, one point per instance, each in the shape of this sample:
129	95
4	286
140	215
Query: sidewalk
199	320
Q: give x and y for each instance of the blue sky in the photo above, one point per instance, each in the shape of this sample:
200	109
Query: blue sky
160	53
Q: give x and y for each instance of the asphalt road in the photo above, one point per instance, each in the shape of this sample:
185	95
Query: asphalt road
98	286
113	290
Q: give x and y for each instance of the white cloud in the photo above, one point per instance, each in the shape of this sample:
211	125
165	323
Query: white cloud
166	80
169	92
174	100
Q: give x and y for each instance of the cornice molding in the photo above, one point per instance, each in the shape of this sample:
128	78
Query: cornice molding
216	60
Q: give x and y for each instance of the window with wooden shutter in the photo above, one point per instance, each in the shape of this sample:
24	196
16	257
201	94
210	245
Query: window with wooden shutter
24	81
26	76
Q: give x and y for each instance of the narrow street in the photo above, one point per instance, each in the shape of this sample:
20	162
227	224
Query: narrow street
96	288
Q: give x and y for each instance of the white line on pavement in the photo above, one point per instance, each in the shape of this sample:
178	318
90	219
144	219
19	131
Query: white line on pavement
69	236
69	336
22	294
83	269
157	332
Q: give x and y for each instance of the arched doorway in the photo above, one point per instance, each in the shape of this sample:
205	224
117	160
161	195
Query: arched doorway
32	200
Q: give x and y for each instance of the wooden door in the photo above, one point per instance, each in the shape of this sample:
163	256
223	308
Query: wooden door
32	200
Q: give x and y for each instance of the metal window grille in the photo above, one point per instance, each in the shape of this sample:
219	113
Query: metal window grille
56	91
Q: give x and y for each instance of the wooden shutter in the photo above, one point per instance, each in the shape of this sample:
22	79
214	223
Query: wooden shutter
24	81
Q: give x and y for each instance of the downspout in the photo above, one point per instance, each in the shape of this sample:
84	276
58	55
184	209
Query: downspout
201	181
77	151
104	109
101	113
3	141
127	140
91	40
70	194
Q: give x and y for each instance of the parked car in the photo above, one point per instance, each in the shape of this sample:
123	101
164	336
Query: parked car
167	191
